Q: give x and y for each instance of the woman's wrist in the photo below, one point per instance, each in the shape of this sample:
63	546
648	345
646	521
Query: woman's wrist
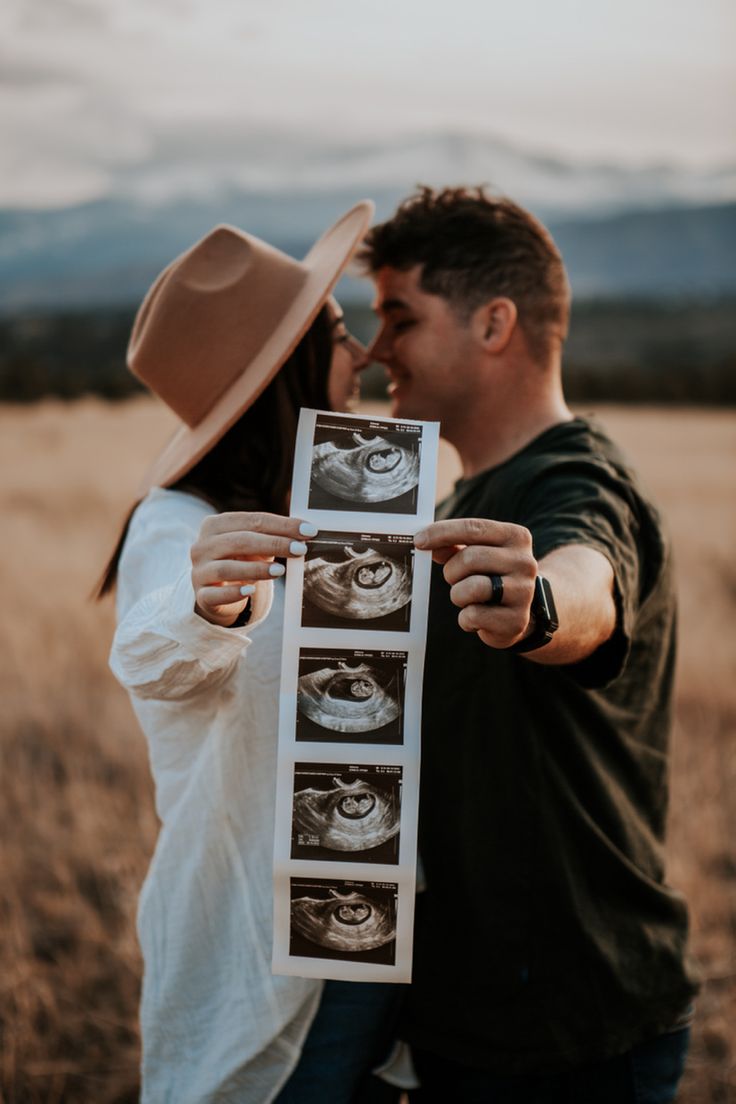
227	620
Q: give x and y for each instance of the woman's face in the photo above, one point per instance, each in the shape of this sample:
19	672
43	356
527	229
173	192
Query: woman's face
348	361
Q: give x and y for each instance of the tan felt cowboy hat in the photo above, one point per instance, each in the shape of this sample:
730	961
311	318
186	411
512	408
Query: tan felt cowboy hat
219	322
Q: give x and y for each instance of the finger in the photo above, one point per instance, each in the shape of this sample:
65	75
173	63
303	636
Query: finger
246	545
502	625
440	534
478	590
258	521
442	555
212	598
217	572
487	560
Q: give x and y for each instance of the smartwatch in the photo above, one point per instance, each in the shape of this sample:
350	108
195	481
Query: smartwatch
544	618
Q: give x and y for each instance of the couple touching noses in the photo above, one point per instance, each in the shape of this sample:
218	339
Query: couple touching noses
470	364
549	951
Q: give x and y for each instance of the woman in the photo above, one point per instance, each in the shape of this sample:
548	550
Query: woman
235	337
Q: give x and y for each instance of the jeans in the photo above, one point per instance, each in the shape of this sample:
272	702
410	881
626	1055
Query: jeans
647	1074
351	1033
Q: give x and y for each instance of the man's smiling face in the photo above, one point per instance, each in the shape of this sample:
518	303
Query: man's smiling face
429	351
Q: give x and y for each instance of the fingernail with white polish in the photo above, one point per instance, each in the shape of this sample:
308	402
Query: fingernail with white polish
276	569
308	530
247	589
297	548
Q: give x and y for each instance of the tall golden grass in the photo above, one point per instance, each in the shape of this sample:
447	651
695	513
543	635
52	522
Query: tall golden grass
76	820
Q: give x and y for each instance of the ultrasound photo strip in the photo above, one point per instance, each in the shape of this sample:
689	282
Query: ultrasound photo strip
355	620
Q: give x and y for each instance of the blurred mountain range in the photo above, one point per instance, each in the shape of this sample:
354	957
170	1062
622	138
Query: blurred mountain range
659	231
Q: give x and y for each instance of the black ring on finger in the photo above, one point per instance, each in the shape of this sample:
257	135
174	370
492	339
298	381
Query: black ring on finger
496	591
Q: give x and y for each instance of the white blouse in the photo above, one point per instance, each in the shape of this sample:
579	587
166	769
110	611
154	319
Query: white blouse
216	1023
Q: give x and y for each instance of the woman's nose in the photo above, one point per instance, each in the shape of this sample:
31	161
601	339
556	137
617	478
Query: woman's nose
358	352
378	349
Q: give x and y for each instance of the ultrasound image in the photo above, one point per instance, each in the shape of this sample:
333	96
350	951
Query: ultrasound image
343	920
350	695
359	580
346	813
360	467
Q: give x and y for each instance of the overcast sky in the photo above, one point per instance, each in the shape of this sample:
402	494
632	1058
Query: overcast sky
92	91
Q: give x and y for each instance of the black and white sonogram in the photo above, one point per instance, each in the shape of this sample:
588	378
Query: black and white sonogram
358	580
371	466
346	813
354	921
350	695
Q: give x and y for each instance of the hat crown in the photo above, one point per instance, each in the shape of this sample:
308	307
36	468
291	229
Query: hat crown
221	260
208	316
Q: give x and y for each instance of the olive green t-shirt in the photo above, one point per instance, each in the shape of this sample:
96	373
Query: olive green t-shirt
548	936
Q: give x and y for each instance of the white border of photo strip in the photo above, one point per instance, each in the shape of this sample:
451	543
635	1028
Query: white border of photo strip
328	964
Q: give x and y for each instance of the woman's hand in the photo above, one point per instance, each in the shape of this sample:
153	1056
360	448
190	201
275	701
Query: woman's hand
233	552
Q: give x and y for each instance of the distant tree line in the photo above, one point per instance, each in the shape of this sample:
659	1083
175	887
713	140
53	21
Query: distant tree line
618	351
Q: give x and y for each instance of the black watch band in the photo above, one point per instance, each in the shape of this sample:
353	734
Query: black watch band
544	616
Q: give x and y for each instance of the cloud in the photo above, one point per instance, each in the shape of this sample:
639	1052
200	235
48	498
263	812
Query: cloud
56	145
109	96
29	73
33	16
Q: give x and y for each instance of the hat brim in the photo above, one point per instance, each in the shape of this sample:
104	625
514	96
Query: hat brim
325	263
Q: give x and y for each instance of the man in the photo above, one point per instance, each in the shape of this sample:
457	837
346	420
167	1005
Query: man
549	952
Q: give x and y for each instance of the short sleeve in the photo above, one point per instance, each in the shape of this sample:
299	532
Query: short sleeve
590	503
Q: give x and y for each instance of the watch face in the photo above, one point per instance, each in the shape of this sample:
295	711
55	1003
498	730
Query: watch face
543	605
545	619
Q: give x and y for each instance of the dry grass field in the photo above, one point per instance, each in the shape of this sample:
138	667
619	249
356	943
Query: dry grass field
76	817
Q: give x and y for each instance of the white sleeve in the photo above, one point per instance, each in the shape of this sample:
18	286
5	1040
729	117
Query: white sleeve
162	649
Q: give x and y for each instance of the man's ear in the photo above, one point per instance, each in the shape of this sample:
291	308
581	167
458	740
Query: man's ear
494	323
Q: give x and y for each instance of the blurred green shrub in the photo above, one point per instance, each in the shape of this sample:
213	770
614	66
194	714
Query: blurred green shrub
638	351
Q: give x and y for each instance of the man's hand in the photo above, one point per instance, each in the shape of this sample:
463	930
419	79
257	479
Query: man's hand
473	549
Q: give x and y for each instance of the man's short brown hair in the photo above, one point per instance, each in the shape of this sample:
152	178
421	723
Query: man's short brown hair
473	247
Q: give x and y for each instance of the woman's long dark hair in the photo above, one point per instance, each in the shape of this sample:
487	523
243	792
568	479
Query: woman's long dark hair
250	466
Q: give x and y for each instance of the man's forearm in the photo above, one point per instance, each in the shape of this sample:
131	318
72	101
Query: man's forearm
582	584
